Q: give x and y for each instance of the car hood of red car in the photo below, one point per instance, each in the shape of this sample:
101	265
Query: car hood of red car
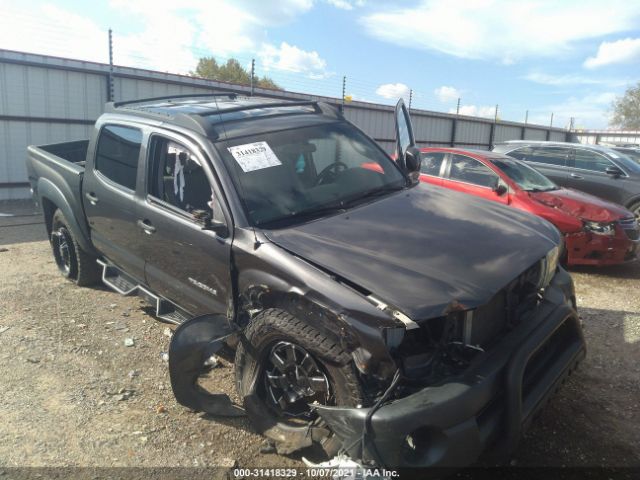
581	205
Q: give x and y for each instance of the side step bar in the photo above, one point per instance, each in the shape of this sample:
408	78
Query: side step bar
122	283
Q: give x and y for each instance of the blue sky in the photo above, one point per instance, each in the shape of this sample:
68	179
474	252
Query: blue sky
567	57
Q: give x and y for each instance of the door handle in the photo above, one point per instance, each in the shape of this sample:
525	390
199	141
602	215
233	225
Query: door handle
575	175
146	226
91	197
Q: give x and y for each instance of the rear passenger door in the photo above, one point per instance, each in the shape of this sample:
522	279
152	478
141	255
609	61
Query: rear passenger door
433	167
551	161
469	175
109	187
184	262
588	174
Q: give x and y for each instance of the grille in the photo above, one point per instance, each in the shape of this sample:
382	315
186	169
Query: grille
630	227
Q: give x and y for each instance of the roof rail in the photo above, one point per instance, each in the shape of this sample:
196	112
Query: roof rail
239	108
231	95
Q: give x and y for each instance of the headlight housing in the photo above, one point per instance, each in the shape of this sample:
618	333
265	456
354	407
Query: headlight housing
600	228
548	266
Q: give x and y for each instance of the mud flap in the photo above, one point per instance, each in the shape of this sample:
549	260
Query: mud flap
192	343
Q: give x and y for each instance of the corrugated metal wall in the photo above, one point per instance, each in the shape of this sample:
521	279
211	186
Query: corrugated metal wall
48	99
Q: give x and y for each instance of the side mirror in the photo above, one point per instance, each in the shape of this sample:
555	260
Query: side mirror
412	160
614	172
204	218
500	188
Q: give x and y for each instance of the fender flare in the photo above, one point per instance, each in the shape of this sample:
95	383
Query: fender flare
47	190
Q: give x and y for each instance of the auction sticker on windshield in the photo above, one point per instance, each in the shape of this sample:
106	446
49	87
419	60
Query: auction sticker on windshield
254	156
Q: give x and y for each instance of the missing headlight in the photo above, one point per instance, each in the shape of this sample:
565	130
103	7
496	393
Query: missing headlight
600	228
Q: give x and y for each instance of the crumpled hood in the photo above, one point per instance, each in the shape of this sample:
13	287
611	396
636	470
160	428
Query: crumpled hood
581	205
421	249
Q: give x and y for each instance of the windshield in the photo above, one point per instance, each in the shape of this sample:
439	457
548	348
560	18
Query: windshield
525	176
292	175
632	154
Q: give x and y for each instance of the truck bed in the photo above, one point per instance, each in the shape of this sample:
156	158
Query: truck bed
56	170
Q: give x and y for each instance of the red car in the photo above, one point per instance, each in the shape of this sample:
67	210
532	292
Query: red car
596	232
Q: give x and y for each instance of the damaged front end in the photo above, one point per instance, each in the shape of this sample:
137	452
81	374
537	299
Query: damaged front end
469	382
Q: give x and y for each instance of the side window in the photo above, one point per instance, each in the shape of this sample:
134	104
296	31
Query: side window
550	156
431	163
177	178
117	154
470	170
523	153
593	161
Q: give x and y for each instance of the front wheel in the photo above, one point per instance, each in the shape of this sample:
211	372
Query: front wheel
73	262
635	209
283	367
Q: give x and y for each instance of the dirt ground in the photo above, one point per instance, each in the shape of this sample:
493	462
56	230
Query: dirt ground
73	394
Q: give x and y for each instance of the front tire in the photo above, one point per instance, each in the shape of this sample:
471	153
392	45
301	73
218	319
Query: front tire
284	364
635	209
74	263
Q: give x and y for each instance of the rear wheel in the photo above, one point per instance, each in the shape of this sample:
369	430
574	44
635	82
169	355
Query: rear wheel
73	262
283	368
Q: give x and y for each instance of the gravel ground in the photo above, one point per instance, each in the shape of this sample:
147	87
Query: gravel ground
73	394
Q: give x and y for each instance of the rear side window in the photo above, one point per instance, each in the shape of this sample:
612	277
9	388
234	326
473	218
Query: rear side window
117	154
588	160
549	155
523	153
431	163
469	170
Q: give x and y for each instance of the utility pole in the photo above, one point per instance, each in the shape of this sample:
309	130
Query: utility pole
458	107
253	73
110	78
523	131
526	117
344	91
495	117
551	122
410	97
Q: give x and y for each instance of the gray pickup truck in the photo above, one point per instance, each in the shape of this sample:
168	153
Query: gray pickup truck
404	324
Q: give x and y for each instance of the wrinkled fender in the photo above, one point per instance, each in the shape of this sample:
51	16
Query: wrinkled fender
192	343
48	190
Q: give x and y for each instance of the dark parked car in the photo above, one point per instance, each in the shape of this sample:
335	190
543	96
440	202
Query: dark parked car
633	152
598	170
410	325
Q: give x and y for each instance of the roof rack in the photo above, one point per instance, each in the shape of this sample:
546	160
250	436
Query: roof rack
239	108
231	95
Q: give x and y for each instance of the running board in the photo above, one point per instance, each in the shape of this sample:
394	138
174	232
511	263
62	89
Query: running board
122	283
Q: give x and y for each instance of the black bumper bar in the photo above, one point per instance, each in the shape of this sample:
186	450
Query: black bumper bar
450	425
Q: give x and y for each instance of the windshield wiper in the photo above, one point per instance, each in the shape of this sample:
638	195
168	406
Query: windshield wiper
306	214
374	192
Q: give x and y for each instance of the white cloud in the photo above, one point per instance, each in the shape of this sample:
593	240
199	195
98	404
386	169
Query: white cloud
293	59
501	30
476	111
171	38
393	91
447	94
620	51
590	110
556	80
346	4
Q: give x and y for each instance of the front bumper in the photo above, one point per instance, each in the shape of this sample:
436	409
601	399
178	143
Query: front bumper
586	248
452	424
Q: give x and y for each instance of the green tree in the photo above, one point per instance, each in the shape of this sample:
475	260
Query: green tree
626	109
231	72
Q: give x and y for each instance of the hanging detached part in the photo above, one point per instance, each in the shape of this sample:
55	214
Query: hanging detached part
192	344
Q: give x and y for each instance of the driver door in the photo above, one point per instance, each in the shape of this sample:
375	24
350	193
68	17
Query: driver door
404	133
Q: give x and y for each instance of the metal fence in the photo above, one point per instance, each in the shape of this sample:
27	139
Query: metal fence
608	137
46	99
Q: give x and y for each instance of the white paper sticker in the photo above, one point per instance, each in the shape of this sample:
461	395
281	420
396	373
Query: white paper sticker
254	156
